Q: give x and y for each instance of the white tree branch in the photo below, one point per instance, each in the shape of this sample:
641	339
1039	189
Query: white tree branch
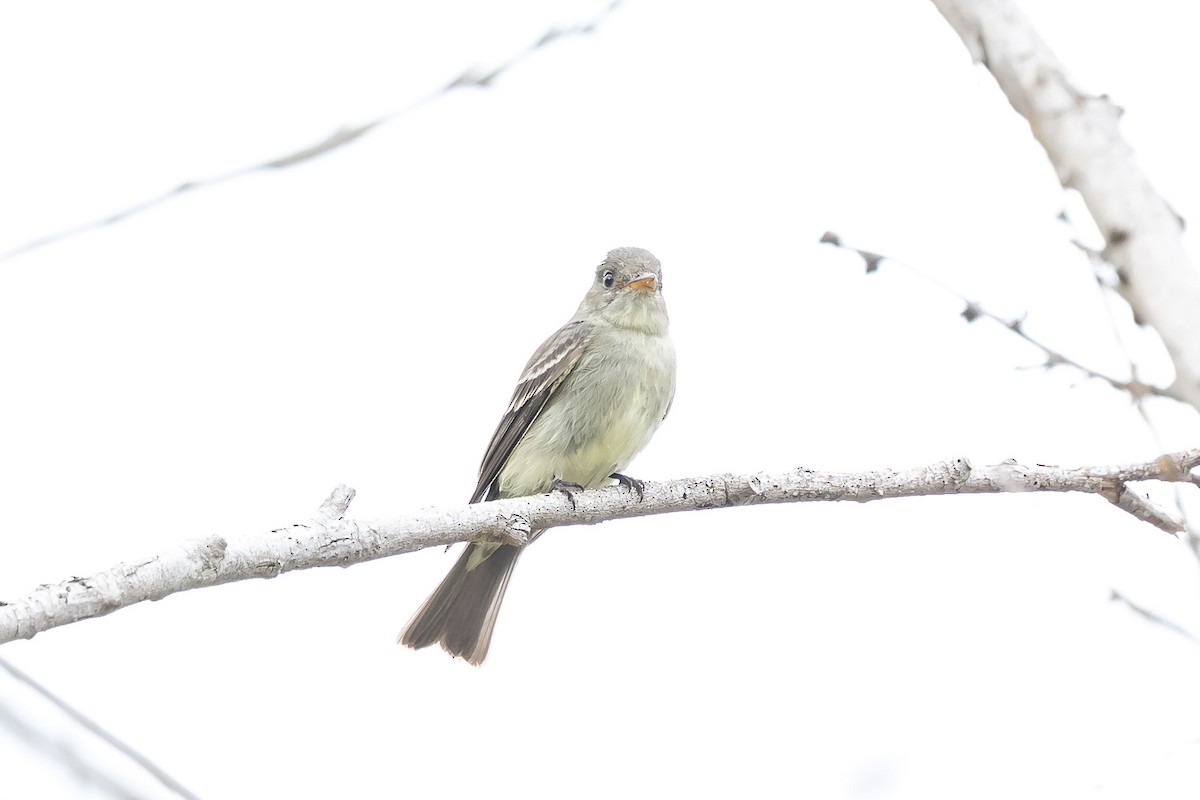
1079	133
330	539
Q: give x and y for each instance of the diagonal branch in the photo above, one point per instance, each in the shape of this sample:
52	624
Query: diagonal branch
330	539
94	728
1150	616
1143	235
344	135
973	310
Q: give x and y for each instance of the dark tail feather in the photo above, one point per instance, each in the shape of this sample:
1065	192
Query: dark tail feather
461	613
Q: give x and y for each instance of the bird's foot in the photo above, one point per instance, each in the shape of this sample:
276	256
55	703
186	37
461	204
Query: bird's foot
568	488
634	485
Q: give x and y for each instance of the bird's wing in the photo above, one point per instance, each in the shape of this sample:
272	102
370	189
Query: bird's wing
550	364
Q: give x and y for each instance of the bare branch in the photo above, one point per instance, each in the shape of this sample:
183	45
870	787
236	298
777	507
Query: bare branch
1143	235
1150	616
329	539
481	79
96	730
1127	500
973	311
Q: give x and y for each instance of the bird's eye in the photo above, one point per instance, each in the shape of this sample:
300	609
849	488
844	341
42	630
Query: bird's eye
608	279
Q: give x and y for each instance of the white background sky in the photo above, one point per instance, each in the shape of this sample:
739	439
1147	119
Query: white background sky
218	364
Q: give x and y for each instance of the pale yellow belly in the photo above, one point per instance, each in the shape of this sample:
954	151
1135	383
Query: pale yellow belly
625	403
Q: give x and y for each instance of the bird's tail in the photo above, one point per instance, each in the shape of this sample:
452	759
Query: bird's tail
461	613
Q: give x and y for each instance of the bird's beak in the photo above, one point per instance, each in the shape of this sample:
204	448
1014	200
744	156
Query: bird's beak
646	282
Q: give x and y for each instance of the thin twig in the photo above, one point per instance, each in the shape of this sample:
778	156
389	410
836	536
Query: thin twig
1150	616
474	77
94	728
973	310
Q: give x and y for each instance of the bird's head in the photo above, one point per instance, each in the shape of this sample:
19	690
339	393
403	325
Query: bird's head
627	291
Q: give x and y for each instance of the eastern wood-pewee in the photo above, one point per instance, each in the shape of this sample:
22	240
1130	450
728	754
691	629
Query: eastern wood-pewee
588	401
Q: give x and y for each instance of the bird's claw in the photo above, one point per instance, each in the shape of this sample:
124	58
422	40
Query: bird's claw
634	485
568	488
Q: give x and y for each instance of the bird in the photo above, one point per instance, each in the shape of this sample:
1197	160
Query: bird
589	399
